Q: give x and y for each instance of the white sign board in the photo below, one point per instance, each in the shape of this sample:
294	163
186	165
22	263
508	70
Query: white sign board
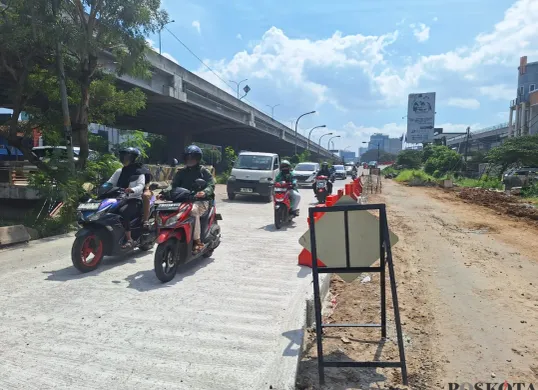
420	117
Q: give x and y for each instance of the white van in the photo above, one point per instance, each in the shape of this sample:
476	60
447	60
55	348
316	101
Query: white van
253	173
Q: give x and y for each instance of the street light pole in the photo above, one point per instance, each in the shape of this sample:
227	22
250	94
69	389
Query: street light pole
310	133
330	139
273	109
320	138
296	123
238	84
160	42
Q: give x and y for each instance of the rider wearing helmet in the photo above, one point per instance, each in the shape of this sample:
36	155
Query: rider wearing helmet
132	179
285	175
185	178
324	171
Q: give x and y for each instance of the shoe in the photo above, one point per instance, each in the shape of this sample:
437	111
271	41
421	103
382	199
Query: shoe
197	246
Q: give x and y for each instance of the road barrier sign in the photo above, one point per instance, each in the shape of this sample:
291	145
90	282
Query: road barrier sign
351	268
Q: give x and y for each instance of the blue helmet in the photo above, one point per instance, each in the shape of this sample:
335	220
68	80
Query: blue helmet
193	151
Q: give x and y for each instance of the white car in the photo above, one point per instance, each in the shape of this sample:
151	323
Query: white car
340	172
305	173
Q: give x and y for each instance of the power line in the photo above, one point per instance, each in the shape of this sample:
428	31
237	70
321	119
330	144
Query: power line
207	66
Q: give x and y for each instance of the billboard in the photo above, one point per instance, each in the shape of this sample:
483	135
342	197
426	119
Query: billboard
420	117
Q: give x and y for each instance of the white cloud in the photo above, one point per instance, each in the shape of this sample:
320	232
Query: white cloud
196	25
285	63
239	36
470	104
152	46
421	32
499	92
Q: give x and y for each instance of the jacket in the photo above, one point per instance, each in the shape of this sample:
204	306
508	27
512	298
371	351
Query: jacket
185	178
322	172
286	177
121	178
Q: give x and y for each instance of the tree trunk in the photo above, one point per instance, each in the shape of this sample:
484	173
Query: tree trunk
82	122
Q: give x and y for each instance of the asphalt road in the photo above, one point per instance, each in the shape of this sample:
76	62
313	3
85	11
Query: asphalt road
233	321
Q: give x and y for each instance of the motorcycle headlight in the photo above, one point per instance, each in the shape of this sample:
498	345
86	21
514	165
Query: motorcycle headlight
98	214
171	221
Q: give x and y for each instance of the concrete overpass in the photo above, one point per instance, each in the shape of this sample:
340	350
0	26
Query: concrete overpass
186	108
483	139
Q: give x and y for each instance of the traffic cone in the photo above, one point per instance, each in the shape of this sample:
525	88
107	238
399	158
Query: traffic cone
305	258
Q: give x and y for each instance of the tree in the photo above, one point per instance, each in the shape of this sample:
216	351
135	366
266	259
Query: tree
515	151
411	159
25	27
441	160
135	139
118	27
372	155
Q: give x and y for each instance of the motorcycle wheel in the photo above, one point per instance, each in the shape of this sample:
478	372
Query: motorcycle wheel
279	217
165	262
321	197
84	246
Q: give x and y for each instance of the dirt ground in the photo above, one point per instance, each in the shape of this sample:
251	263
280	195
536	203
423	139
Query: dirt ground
467	286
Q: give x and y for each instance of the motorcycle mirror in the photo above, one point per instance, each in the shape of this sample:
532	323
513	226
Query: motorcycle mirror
153	186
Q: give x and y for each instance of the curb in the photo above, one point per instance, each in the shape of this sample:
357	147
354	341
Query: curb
15	234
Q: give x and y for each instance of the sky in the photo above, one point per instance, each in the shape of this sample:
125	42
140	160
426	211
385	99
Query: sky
355	62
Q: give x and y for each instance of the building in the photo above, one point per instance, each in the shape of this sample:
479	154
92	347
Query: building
362	150
347	156
378	140
395	146
525	105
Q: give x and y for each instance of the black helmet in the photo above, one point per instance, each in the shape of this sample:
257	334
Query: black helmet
132	153
193	151
324	165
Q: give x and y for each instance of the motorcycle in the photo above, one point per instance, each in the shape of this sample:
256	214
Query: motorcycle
282	203
175	226
322	189
102	232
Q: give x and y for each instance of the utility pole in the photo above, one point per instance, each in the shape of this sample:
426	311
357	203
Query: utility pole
68	131
466	146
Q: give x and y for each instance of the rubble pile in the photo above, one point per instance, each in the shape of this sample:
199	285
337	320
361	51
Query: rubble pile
499	201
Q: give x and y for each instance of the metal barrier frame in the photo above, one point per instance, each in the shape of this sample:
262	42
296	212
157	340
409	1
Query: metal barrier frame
385	260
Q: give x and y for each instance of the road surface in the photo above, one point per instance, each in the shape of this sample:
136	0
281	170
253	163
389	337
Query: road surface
229	322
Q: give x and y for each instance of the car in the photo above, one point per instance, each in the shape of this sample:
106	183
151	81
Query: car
350	168
340	172
520	177
45	152
253	173
305	173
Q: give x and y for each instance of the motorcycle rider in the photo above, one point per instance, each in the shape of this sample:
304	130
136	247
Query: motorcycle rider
285	175
324	171
132	179
186	178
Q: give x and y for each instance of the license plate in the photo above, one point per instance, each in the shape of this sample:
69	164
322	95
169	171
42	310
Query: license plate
168	206
246	189
321	184
88	206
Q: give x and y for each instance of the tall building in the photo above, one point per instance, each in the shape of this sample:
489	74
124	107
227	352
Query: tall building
378	140
395	146
525	105
348	156
362	150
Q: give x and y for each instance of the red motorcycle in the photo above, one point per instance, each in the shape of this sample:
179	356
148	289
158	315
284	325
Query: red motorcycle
175	231
322	189
282	202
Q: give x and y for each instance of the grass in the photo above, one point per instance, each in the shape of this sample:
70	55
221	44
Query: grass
416	175
484	182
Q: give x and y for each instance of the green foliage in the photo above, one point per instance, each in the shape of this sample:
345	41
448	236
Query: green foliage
229	156
97	143
158	151
484	182
409	175
530	191
410	159
515	151
441	160
223	178
390	170
135	139
372	155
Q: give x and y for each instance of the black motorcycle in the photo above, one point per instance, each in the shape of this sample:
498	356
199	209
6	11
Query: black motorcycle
102	232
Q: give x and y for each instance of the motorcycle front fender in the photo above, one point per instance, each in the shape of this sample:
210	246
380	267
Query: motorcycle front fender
168	234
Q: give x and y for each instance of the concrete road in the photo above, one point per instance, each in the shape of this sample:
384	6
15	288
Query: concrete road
233	321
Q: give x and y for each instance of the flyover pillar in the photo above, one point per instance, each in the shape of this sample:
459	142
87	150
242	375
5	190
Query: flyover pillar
176	144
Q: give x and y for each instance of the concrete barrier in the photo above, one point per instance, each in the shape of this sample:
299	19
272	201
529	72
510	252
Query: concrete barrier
13	235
